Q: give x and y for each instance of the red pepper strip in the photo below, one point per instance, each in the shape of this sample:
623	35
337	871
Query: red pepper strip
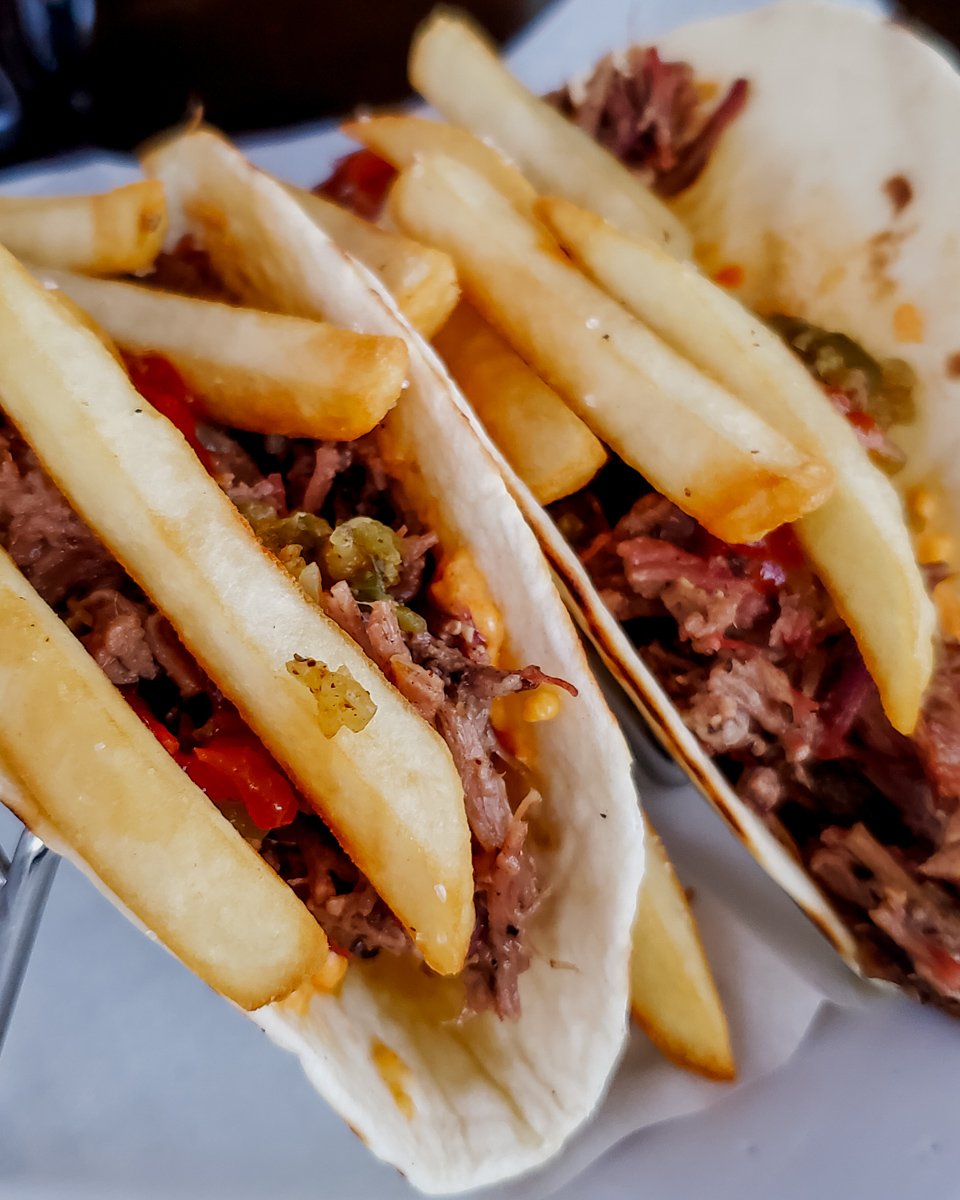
238	770
160	384
359	182
232	768
167	740
869	434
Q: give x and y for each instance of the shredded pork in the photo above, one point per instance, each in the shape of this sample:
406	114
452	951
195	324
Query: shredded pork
441	666
769	679
650	114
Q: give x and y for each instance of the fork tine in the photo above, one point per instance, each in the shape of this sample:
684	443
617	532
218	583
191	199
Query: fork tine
26	883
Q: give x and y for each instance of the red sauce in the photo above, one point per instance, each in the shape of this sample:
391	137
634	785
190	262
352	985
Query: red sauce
730	276
161	385
770	559
359	182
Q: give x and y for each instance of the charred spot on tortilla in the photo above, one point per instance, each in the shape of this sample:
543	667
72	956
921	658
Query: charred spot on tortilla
952	366
899	192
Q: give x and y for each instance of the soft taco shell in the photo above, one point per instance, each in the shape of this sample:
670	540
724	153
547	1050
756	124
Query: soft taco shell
453	1105
835	193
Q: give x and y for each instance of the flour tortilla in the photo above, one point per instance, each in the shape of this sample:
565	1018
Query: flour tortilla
457	1106
798	193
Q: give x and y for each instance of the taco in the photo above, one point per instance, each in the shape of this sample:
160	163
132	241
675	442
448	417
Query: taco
424	867
806	676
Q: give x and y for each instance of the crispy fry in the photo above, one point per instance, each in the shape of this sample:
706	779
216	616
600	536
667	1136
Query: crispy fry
401	140
458	72
107	234
254	370
694	441
672	992
859	536
421	280
93	772
391	792
547	444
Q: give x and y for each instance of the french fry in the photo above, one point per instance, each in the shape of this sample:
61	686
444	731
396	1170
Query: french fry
859	536
694	441
421	280
456	69
672	993
254	370
401	140
110	790
547	444
112	233
390	792
231	209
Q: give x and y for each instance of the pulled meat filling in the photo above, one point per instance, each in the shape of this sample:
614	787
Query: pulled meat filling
649	113
745	639
330	514
750	649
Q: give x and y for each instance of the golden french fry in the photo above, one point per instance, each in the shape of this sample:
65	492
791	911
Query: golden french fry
421	280
401	140
859	536
390	793
111	233
254	370
457	70
694	441
547	444
90	770
672	993
85	319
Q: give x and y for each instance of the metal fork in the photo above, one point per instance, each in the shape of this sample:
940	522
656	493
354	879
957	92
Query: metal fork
24	884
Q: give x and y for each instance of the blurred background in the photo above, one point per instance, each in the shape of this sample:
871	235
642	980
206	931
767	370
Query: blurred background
111	72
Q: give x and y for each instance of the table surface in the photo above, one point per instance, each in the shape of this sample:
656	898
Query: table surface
123	1075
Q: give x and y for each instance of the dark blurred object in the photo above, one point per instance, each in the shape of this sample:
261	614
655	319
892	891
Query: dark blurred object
112	72
940	16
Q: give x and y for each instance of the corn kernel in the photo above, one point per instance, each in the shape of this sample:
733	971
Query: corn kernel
541	705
